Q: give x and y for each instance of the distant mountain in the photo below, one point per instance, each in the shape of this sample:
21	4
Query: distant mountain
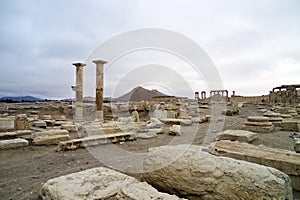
138	94
21	98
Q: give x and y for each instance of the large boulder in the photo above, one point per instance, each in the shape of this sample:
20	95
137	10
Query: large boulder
200	175
99	183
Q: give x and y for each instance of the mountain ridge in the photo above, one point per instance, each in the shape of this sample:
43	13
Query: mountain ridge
138	94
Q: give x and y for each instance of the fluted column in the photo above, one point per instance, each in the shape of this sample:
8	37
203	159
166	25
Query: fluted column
99	88
78	88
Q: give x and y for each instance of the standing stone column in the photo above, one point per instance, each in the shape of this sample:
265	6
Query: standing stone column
78	89
99	89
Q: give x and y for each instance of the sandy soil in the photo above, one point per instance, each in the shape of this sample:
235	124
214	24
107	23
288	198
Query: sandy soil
24	170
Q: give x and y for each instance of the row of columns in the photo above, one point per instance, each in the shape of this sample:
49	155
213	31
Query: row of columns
203	95
78	88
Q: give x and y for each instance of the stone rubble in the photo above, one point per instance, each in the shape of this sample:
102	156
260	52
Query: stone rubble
195	174
258	124
281	159
100	183
237	135
13	143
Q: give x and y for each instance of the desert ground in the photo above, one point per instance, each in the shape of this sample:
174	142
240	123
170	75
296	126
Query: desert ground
24	170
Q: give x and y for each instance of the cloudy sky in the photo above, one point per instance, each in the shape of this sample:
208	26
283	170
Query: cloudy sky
254	45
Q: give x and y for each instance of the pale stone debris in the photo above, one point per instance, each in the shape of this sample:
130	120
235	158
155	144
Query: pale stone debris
281	159
237	135
21	122
14	134
95	140
13	143
7	124
199	175
100	183
69	127
39	124
290	125
258	124
50	137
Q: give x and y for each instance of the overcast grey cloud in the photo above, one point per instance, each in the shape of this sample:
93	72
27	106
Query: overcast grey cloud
255	45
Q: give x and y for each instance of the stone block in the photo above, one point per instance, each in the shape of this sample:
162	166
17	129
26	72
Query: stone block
290	125
14	134
39	124
283	160
50	137
175	130
69	127
99	183
95	140
21	122
13	143
194	174
258	119
174	121
7	124
237	135
259	129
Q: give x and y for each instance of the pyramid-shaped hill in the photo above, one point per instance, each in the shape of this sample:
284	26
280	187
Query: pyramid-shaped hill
139	94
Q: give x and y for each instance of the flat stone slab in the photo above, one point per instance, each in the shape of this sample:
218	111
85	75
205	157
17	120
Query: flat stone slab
237	135
50	137
281	159
188	171
251	123
13	143
69	127
290	125
14	134
146	135
95	140
7	124
257	119
259	129
100	183
271	114
175	121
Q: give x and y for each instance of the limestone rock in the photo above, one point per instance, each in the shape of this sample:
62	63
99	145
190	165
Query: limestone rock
154	123
142	191
175	130
258	124
69	127
21	122
237	135
14	134
96	183
100	183
39	124
146	135
290	125
200	175
283	160
50	137
258	119
13	143
7	124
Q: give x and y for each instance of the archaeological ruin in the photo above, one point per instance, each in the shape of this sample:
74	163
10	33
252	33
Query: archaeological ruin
167	147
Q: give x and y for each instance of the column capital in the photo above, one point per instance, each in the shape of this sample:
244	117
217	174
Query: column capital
99	61
78	64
